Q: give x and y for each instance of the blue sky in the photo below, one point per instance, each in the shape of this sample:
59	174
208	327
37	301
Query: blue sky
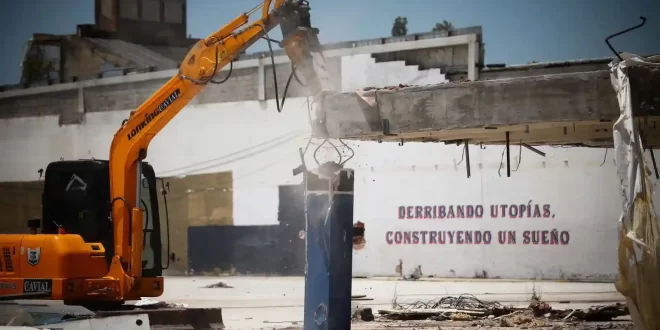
515	31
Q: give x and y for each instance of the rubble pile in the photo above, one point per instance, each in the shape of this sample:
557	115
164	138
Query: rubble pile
362	314
465	307
468	308
594	314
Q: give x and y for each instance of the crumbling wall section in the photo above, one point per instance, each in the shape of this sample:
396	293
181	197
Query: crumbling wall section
248	81
639	232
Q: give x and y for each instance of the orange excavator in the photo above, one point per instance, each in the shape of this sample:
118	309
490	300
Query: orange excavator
100	241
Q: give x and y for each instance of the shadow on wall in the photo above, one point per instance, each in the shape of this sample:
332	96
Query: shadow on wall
194	200
263	250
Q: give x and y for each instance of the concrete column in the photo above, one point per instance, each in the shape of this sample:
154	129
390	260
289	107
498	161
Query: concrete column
328	248
81	99
74	116
473	54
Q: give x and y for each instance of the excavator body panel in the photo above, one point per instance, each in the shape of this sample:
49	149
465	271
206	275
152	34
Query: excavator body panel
41	264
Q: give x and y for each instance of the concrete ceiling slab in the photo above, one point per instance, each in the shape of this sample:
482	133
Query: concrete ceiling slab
557	109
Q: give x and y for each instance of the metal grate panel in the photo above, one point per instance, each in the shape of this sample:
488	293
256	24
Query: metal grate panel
6	254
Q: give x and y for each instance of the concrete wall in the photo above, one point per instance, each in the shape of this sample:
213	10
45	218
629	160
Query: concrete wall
196	200
194	143
402	192
260	148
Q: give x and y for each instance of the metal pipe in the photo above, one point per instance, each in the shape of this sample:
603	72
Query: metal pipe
508	156
467	157
254	9
138	192
607	40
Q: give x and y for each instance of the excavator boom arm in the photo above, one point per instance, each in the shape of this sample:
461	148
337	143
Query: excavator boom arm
130	144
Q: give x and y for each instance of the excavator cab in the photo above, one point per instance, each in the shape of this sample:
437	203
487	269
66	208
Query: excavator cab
76	200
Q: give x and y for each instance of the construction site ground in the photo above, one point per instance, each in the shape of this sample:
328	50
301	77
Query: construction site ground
277	302
254	302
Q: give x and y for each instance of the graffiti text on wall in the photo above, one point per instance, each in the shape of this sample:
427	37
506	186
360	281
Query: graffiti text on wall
486	237
512	211
483	237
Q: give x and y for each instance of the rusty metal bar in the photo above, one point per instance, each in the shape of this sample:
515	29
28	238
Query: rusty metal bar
467	157
537	151
655	166
508	156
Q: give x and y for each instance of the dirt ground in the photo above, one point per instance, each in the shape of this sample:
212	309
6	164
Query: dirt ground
251	302
623	323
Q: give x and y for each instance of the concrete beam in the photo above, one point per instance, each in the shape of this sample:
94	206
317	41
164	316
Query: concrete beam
473	109
371	49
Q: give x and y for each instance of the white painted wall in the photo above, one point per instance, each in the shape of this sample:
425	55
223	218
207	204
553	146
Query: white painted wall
254	141
261	146
583	197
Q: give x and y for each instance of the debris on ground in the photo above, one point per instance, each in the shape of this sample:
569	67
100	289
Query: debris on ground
146	303
465	307
438	314
218	285
360	297
460	317
468	308
362	314
520	318
539	308
595	313
416	274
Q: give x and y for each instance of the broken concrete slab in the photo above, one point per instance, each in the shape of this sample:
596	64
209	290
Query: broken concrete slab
566	108
198	318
